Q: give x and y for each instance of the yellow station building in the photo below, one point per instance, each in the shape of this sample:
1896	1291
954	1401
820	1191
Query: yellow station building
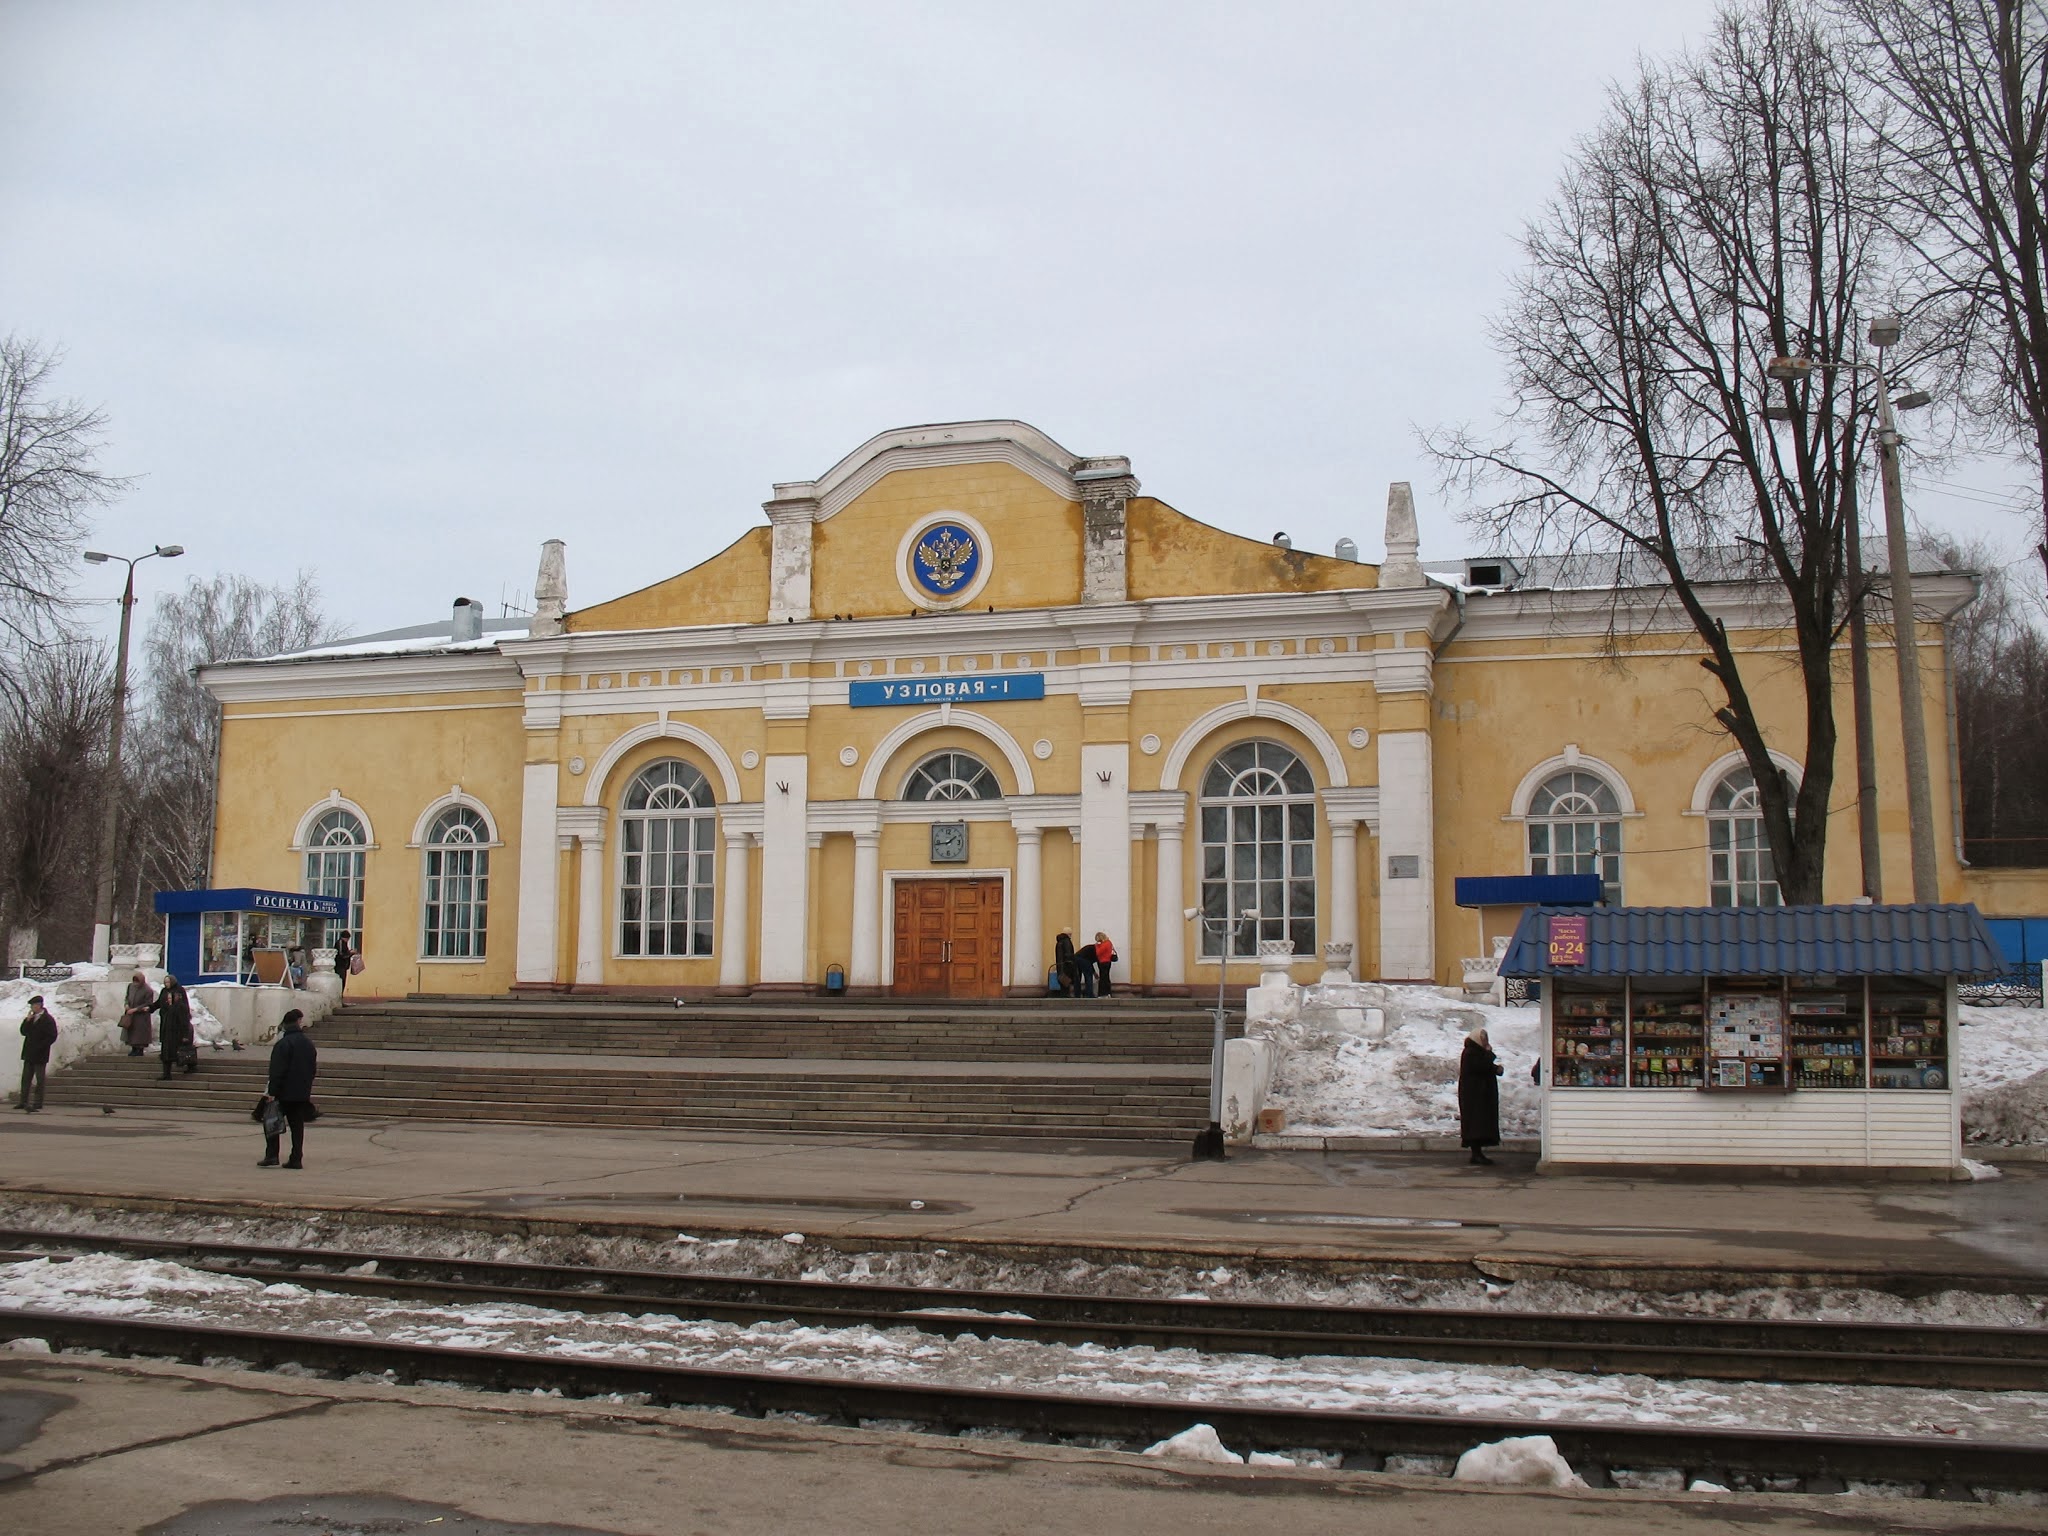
969	689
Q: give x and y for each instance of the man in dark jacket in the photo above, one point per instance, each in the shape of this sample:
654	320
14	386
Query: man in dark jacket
293	1065
1479	1096
38	1034
174	1007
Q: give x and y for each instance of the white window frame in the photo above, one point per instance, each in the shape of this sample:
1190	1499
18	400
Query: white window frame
704	814
984	772
480	872
1612	890
323	850
1211	946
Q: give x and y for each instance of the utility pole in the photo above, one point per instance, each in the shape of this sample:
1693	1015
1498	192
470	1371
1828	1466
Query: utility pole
1866	732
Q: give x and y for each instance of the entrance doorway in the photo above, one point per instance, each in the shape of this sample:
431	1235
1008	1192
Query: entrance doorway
949	938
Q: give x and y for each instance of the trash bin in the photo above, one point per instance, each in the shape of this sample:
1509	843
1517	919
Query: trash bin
835	980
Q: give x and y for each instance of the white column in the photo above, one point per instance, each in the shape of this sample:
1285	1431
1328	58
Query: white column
1105	842
1169	928
1344	889
1027	948
1407	849
590	907
534	954
732	924
866	964
785	869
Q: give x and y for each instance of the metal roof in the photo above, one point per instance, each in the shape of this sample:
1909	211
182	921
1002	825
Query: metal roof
1948	940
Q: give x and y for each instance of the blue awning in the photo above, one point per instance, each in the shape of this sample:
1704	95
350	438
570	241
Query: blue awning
243	898
1526	890
1928	941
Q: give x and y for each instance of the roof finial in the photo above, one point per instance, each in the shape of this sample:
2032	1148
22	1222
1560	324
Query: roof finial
1401	568
550	590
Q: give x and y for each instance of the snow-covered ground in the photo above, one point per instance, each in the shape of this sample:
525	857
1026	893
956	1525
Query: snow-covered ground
104	1286
938	1267
78	1033
1339	1084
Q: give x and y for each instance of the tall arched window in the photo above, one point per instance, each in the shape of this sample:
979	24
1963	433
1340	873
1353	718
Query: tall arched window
334	863
666	836
1740	872
458	886
952	776
1575	829
1258	808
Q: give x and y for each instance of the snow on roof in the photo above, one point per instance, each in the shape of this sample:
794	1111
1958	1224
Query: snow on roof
412	639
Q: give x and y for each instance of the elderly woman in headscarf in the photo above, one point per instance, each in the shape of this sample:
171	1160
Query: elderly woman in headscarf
1479	1097
135	1006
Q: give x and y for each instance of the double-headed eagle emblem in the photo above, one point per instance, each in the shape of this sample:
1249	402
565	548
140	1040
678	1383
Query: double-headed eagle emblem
945	556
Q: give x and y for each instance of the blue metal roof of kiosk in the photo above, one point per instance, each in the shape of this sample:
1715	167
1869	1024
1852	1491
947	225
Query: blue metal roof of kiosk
1929	941
250	899
1526	890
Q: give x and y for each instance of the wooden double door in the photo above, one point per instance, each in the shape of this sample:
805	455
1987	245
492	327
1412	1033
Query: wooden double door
949	938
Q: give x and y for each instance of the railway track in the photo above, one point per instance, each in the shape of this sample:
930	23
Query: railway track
1869	1354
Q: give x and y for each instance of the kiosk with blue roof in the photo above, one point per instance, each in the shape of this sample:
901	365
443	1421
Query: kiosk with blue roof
243	934
1819	1036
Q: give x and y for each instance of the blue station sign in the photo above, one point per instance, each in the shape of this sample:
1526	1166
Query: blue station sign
989	688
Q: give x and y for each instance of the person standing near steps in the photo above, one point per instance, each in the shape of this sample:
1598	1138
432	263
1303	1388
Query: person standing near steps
293	1065
38	1035
1479	1096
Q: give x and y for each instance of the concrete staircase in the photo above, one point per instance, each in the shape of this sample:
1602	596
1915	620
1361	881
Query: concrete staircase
1132	1069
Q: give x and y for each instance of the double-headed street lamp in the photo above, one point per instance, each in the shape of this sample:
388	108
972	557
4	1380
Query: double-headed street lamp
110	823
1884	333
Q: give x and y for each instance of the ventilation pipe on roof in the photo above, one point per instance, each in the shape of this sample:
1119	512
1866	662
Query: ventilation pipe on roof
1347	549
469	620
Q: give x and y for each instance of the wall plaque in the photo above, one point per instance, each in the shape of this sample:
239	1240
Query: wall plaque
1567	940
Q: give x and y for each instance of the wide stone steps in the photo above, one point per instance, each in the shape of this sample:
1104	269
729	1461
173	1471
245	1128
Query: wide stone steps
939	1099
1100	1032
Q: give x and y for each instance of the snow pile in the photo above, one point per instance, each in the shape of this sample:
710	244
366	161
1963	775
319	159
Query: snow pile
80	1034
1406	1084
2002	1069
1528	1461
1198	1442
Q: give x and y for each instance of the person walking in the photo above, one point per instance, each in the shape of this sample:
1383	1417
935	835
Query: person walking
344	954
136	1004
1479	1097
1105	956
293	1065
38	1035
174	1008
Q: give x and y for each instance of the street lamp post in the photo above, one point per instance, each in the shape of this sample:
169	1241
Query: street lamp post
1209	1142
110	822
1884	334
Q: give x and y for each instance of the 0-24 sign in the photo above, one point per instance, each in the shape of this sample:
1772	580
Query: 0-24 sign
1567	940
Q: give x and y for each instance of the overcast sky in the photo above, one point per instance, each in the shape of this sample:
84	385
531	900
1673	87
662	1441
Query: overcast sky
395	292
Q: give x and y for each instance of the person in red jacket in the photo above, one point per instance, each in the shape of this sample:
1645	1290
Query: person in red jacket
1105	955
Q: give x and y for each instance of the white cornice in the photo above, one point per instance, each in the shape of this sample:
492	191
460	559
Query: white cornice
269	682
1015	443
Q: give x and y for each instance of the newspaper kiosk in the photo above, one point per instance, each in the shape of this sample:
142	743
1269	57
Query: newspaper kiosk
243	934
1820	1036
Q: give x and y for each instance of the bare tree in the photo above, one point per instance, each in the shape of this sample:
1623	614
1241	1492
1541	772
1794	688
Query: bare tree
49	482
53	740
1964	88
178	742
1726	211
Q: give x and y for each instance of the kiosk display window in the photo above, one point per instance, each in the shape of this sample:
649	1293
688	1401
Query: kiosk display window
1824	1021
1667	1035
1908	1034
1589	1028
1746	1036
220	950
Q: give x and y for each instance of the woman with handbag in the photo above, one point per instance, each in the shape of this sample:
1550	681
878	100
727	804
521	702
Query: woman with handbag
293	1065
347	959
136	1004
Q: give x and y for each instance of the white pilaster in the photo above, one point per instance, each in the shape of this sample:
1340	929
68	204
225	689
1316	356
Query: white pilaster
534	954
1105	842
732	926
1027	949
1343	909
866	964
1169	928
590	904
1408	872
785	869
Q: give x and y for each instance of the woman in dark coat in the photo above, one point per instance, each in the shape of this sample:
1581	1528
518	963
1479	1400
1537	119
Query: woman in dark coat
1479	1097
1063	962
174	1007
135	1006
293	1065
344	952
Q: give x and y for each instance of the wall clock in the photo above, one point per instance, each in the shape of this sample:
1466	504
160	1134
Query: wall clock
949	842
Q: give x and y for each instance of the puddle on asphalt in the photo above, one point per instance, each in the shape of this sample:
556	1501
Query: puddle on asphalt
870	1203
1321	1219
346	1514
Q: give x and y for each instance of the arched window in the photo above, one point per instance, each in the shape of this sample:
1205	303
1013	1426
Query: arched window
666	833
1258	808
334	863
1575	829
1740	872
458	886
952	776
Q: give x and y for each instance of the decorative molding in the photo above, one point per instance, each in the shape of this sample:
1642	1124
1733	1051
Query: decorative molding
1046	812
1041	749
455	796
1015	443
984	568
1334	775
1727	763
848	756
932	720
1158	808
662	730
1352	805
284	678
